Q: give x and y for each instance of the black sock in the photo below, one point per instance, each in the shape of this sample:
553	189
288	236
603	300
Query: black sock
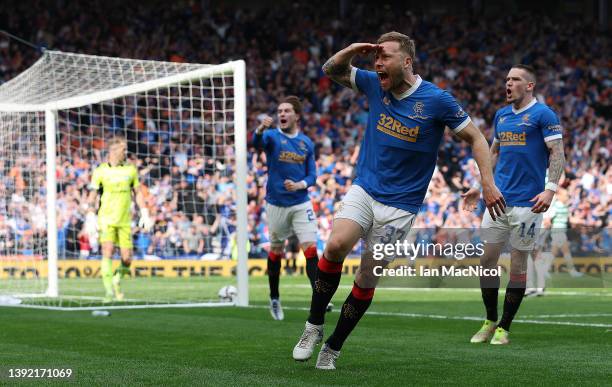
353	309
274	266
311	264
514	295
326	283
489	287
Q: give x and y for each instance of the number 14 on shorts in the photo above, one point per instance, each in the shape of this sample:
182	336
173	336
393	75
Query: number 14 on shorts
530	231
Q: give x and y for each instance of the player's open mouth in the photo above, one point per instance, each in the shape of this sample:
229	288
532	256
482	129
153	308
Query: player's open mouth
382	76
508	92
283	121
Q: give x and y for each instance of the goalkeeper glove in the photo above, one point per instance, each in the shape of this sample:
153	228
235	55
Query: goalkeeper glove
145	222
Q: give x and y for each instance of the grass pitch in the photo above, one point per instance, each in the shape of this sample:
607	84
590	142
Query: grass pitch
408	337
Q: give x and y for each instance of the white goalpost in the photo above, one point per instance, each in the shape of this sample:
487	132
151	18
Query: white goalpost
185	126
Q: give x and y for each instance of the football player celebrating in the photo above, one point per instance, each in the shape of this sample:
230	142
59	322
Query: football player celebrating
407	119
527	139
291	170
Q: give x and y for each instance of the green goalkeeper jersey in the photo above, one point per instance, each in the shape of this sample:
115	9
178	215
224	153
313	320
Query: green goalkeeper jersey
116	184
560	215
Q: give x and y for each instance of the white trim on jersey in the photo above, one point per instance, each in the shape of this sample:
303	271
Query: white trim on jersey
408	92
553	137
530	104
462	125
289	135
353	76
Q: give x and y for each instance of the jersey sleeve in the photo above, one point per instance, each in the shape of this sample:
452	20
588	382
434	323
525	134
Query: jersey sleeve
451	113
95	180
495	137
262	140
550	125
135	182
364	81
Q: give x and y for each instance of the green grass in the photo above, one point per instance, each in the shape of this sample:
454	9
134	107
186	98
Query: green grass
244	346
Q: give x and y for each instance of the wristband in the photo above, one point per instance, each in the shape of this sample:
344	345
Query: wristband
551	186
477	186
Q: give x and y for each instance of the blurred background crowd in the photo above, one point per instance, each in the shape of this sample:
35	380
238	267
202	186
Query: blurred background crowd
189	179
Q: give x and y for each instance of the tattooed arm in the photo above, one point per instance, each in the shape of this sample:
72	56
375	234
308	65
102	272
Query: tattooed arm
338	67
556	162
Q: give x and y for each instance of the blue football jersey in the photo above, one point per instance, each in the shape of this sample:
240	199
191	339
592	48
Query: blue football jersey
520	173
400	145
289	157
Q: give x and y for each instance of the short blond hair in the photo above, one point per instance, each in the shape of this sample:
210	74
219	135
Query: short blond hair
406	44
115	140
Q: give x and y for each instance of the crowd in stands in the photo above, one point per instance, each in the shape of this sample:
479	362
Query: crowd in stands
190	180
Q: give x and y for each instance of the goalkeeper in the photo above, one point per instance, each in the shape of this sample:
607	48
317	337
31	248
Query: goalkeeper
116	180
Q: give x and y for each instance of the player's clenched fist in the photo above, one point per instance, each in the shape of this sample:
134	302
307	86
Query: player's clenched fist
266	123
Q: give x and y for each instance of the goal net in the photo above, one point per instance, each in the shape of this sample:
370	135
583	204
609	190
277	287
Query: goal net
185	130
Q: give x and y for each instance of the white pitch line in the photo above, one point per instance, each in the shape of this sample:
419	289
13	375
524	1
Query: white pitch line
468	318
569	315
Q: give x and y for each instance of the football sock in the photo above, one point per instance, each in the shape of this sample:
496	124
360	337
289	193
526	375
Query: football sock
489	287
274	266
514	295
106	271
353	309
326	283
312	261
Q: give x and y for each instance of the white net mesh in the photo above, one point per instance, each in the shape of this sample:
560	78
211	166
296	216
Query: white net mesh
58	75
180	135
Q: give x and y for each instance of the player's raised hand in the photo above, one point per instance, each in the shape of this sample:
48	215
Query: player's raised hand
364	48
542	201
470	199
265	123
494	200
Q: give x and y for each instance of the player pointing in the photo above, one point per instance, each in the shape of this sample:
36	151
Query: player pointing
398	154
117	180
527	139
291	170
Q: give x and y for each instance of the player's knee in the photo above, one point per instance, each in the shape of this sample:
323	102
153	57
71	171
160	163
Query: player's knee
336	250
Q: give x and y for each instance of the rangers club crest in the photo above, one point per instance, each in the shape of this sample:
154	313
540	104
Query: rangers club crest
418	108
419	111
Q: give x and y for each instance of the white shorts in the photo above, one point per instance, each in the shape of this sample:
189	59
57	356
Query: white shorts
286	221
558	237
380	223
518	225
